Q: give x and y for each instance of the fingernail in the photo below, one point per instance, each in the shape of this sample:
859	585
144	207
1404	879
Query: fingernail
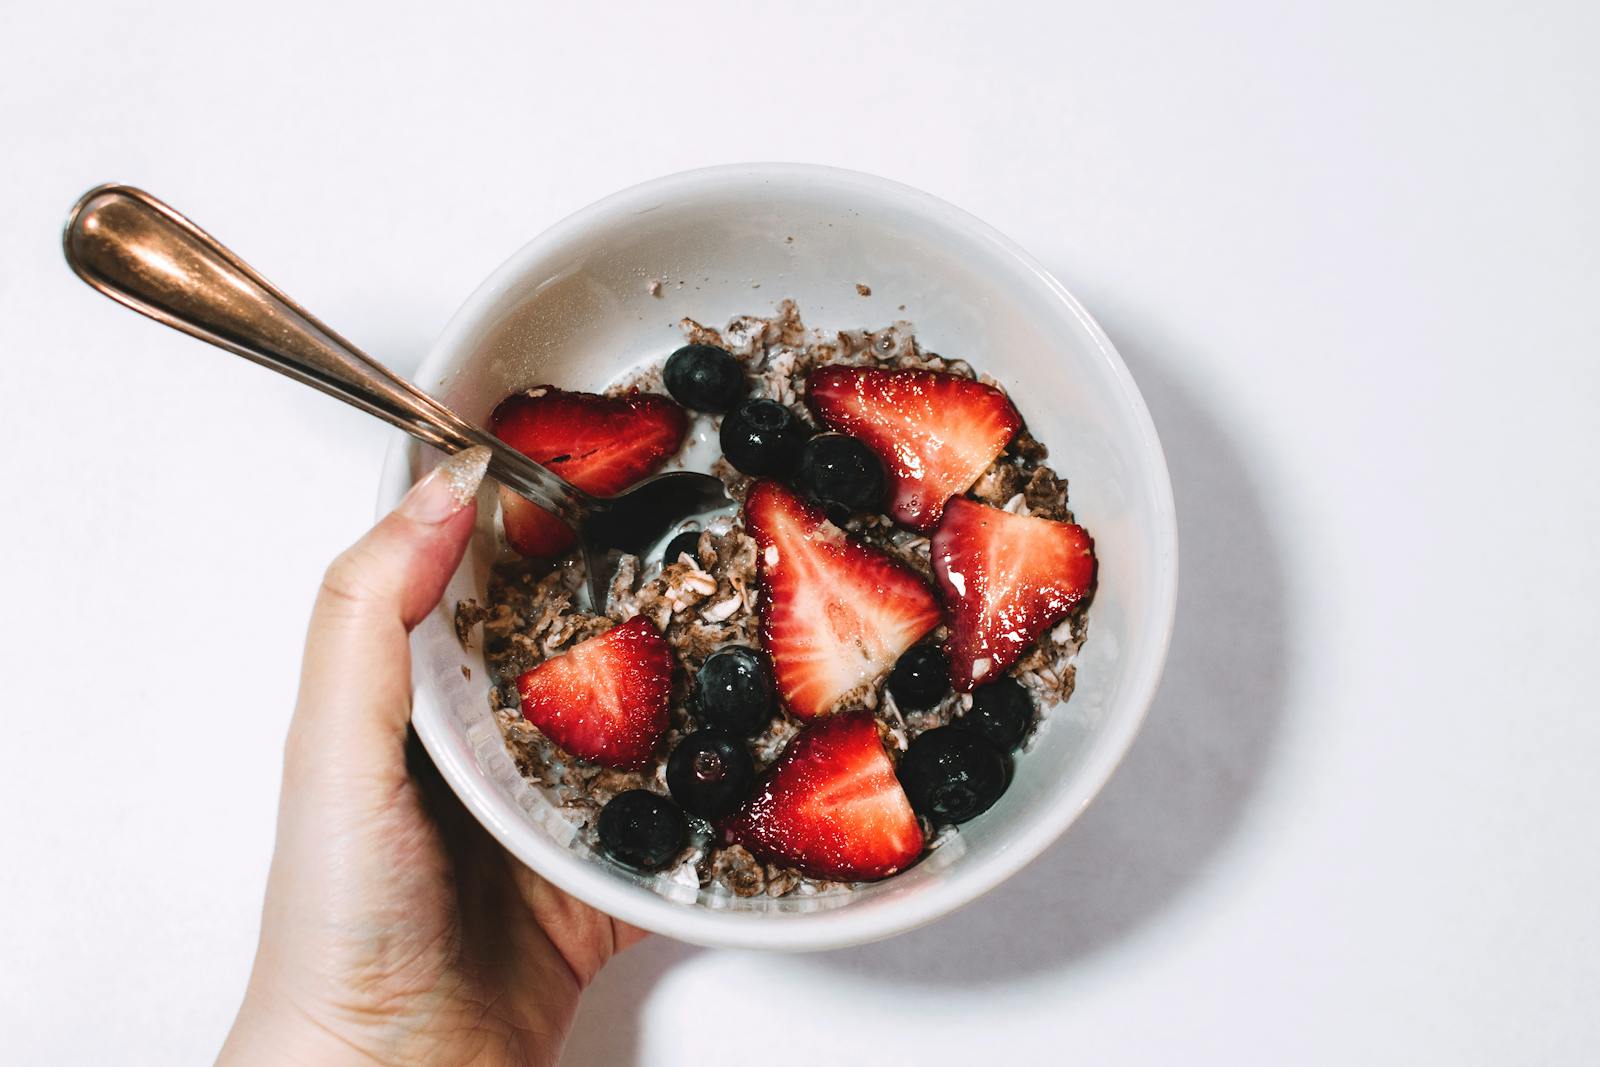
448	488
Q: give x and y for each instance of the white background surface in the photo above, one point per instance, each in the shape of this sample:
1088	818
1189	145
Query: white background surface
1350	256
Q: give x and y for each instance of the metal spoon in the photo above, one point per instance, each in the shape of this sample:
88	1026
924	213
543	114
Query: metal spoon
138	251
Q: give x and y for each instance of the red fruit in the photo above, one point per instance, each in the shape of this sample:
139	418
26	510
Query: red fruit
601	444
831	806
1006	579
835	614
604	699
934	432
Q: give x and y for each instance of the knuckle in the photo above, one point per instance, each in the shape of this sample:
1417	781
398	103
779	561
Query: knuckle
347	583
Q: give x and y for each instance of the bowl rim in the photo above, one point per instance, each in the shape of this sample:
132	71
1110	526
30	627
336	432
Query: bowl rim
828	928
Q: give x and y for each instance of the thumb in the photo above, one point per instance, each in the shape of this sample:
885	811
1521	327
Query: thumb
355	685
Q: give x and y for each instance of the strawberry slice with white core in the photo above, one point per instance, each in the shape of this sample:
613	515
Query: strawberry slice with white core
935	432
601	444
604	699
1006	579
835	614
831	806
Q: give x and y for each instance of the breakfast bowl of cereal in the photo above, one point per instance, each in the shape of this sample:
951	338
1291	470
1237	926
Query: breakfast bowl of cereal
910	651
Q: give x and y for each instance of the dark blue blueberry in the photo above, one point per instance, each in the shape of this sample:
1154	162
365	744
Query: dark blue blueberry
642	829
921	678
688	541
952	775
842	474
709	773
705	378
735	691
1002	711
763	438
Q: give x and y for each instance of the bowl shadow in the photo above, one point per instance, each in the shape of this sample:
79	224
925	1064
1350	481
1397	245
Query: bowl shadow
1190	775
608	1026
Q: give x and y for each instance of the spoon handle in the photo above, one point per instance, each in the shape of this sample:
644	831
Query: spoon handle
141	253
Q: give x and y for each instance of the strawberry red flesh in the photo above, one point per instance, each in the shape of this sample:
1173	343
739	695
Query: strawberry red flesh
936	433
604	699
1006	580
835	614
601	444
831	806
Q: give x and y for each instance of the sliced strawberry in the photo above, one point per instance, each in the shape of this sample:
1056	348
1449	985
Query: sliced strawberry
1007	579
831	806
835	614
604	699
934	432
601	444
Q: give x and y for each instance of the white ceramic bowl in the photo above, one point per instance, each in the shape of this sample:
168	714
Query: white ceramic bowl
574	308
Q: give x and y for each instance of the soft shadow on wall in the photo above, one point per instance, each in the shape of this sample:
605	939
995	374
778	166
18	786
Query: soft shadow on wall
609	1024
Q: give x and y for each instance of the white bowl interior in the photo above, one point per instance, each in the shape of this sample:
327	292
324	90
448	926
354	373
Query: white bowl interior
575	308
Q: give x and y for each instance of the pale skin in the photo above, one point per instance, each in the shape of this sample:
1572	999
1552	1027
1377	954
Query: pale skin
395	929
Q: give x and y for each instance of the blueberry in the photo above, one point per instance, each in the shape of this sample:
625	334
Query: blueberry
705	378
842	474
709	773
1002	711
762	437
951	775
735	691
921	678
642	829
688	541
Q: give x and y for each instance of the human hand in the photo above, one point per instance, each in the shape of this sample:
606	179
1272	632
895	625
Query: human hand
395	929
